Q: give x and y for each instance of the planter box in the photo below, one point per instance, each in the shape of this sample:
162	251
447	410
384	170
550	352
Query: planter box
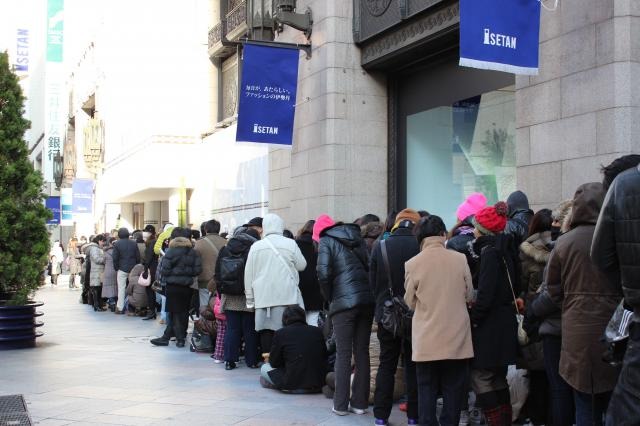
18	325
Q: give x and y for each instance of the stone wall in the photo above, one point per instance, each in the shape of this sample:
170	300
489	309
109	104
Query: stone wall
338	163
582	110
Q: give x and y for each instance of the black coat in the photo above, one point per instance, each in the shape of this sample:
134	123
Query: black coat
402	245
616	242
518	226
125	255
309	286
151	259
299	356
180	264
493	321
342	268
461	238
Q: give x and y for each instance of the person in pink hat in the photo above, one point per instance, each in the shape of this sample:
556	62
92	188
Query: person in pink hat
323	222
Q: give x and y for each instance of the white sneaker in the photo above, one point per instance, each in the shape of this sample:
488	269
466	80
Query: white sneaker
357	410
339	412
464	418
218	361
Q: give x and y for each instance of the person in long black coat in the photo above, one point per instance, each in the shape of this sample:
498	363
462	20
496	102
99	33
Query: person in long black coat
309	287
181	263
298	357
493	321
151	263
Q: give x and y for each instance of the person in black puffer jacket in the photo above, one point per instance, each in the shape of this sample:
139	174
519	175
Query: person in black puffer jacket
343	276
181	263
519	217
615	249
313	300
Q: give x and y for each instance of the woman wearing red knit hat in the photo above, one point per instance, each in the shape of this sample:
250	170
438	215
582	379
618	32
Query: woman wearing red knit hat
493	321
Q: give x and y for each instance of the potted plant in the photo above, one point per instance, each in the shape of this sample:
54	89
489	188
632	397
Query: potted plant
24	239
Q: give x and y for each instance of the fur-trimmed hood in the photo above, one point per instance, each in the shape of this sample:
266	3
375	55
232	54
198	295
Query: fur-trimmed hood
180	242
538	247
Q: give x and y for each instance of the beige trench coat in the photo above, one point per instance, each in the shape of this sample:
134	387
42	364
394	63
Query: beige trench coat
438	287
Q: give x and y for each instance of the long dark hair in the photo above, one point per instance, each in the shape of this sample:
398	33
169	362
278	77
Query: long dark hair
391	221
307	228
540	222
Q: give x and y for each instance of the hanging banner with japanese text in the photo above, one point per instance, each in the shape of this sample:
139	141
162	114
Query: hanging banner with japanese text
82	196
267	94
501	35
53	204
55	101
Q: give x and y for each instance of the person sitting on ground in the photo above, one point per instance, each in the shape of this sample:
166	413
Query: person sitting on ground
298	357
136	294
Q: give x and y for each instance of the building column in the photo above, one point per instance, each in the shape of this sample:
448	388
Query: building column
583	109
152	214
338	163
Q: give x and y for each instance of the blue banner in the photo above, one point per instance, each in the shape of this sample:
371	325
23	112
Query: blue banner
53	204
501	35
82	196
267	95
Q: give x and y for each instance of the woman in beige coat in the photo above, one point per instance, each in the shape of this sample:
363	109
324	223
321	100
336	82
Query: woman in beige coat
439	287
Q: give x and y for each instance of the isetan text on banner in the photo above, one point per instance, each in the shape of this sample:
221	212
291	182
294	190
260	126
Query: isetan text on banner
501	35
267	95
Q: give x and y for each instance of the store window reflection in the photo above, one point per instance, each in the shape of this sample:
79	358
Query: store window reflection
458	149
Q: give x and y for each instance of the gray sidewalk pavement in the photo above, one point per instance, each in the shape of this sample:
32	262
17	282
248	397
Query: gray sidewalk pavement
99	368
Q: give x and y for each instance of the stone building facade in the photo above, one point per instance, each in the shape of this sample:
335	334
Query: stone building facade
386	118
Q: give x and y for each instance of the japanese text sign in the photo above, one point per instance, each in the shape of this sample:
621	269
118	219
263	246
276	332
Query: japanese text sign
53	204
267	95
82	196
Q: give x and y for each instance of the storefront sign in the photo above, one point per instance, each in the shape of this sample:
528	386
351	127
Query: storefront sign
501	35
82	196
21	65
54	98
267	95
53	204
66	202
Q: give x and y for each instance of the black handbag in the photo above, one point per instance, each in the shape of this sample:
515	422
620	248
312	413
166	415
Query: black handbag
616	335
396	314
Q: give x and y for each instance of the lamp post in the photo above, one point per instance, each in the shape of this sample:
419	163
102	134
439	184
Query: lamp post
58	169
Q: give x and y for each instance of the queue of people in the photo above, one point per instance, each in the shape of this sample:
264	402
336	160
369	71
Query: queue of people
504	287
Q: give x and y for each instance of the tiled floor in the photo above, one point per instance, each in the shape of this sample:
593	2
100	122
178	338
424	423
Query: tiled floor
99	368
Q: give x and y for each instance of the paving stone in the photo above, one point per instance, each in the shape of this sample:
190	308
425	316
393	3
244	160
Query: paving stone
95	368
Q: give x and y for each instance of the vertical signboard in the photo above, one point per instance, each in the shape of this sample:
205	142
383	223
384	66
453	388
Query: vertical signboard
66	204
54	119
53	204
55	28
82	196
267	94
21	56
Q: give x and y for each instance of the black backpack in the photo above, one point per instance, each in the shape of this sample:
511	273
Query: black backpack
231	275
